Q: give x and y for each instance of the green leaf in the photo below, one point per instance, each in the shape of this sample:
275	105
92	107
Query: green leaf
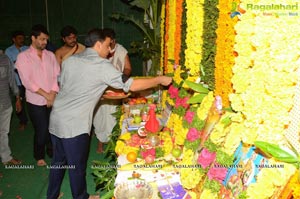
140	4
226	121
197	87
108	195
197	99
276	152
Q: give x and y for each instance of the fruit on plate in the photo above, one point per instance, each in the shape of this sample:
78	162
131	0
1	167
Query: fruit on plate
142	132
137	119
131	156
176	152
114	93
149	159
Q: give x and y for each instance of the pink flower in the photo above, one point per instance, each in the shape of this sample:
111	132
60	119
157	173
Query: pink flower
206	158
217	173
148	152
192	135
189	116
173	91
182	102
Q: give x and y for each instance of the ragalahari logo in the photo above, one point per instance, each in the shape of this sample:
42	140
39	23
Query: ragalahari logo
236	10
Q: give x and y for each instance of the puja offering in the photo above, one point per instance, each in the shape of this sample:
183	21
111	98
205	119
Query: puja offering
133	189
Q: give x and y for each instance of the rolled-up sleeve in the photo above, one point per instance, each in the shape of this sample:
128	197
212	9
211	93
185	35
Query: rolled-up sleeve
25	72
38	73
114	78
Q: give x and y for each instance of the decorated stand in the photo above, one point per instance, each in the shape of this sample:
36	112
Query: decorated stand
229	123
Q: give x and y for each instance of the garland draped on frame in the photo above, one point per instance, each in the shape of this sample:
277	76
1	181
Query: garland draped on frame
170	35
166	38
162	33
178	37
224	59
194	40
211	15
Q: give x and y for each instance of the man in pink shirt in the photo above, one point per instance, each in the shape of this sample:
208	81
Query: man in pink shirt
39	70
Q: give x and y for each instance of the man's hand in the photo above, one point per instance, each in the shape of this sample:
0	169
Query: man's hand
165	80
18	105
50	98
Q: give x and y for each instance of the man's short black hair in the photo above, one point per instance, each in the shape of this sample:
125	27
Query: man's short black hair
17	33
108	32
93	36
37	29
67	30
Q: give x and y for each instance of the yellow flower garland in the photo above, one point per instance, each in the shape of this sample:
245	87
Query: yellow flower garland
162	33
194	42
170	45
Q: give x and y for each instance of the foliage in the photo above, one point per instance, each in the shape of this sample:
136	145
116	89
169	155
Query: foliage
183	35
209	41
149	48
192	145
213	185
200	89
105	171
279	154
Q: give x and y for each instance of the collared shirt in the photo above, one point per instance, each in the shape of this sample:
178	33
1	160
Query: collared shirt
84	78
12	52
7	81
36	73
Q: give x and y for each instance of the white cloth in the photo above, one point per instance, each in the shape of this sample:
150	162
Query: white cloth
5	116
118	59
104	122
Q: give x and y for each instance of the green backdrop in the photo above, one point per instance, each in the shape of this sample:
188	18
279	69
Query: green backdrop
54	14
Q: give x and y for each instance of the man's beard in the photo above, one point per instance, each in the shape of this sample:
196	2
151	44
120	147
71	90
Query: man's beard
72	44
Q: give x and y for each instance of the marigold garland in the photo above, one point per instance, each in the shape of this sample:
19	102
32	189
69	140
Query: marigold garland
170	45
178	38
264	83
252	60
166	37
224	59
162	33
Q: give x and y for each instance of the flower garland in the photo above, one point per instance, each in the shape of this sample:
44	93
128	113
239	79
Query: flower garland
224	59
193	53
261	74
268	81
170	43
268	181
166	37
162	32
209	39
264	79
177	45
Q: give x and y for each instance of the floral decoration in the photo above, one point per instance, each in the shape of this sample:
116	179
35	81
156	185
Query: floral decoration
225	55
